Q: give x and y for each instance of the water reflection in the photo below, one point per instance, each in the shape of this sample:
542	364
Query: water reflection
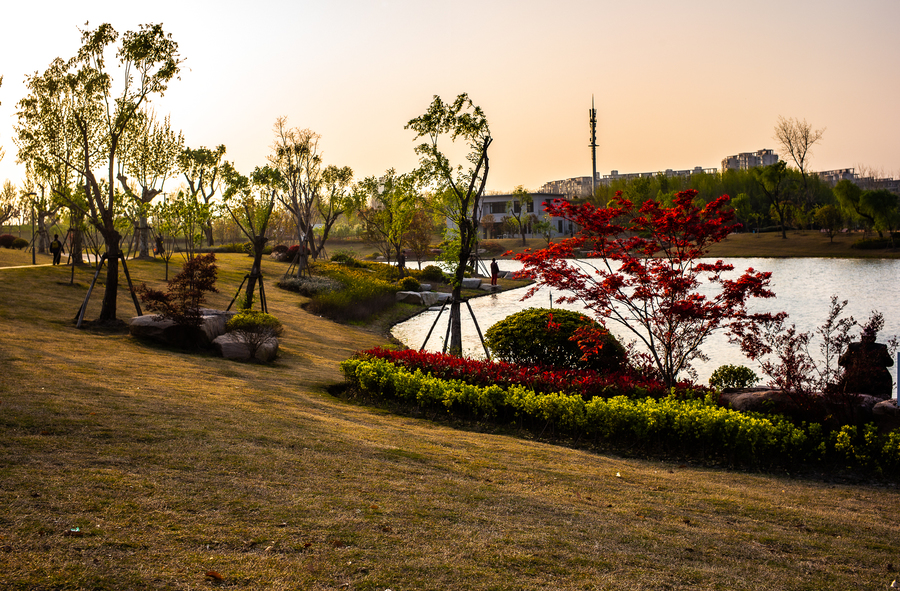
803	289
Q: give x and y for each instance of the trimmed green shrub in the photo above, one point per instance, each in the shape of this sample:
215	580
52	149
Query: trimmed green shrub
733	376
254	329
409	284
432	273
346	259
539	336
20	243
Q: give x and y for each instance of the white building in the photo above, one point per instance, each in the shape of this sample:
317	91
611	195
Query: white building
748	160
495	209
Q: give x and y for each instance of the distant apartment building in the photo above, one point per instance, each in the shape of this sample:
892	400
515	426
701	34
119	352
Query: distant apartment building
748	160
581	186
833	177
866	183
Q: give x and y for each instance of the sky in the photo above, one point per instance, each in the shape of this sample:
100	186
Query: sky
675	84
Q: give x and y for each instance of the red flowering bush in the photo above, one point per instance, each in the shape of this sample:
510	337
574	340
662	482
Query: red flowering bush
644	271
628	381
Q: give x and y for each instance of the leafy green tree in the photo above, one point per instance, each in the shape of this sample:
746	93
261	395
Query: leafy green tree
419	234
517	210
337	199
392	201
829	218
461	119
849	196
44	207
250	202
75	98
149	154
775	180
180	215
882	205
9	202
296	157
202	169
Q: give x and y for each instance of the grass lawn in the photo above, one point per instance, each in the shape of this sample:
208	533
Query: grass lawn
126	466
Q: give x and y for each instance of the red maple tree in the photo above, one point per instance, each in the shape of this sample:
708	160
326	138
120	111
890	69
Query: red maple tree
643	270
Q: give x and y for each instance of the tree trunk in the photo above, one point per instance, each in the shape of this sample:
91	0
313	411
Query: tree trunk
143	237
256	271
455	347
108	309
208	231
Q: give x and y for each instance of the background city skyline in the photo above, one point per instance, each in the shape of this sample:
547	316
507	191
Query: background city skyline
676	85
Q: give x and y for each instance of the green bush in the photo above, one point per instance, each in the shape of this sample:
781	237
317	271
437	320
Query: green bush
20	243
7	240
364	291
432	273
254	329
344	258
530	338
733	376
409	284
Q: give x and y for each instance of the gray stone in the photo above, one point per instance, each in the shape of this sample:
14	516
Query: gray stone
489	287
162	330
886	414
471	282
424	287
229	347
417	298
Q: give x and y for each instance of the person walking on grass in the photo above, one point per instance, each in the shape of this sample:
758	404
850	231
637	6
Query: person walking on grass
56	248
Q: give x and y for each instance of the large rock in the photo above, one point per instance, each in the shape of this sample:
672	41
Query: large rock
886	415
471	282
489	287
853	409
229	347
163	330
417	298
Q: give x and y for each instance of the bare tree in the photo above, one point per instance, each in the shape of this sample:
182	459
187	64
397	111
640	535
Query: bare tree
797	139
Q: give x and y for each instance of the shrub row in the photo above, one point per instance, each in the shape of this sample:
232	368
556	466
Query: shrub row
694	427
363	292
584	382
10	241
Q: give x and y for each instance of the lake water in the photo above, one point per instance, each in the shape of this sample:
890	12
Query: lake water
803	288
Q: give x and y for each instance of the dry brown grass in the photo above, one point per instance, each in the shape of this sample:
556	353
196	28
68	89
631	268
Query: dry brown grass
171	465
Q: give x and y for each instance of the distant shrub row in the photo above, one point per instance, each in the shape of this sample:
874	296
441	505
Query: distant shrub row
876	243
695	427
10	241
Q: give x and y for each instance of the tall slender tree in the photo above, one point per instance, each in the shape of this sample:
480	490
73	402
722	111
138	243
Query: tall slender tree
149	153
76	98
459	120
202	169
295	155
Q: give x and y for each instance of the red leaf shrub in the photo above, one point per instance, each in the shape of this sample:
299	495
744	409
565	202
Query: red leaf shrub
587	383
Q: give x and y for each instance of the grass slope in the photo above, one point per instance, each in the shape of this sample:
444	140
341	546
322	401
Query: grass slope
124	466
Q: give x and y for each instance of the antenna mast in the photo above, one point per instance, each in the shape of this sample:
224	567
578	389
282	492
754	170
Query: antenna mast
593	118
